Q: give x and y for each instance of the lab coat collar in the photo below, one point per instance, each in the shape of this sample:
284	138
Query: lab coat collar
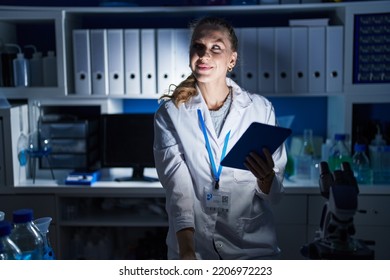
240	99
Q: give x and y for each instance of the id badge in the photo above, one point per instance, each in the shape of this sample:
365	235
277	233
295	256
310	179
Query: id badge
217	199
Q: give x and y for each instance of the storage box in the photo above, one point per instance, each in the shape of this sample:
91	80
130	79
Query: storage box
76	129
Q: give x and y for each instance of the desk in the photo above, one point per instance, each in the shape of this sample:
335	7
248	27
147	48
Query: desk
297	216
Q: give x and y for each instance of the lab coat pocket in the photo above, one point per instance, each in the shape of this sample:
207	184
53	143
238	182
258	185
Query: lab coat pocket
243	176
255	230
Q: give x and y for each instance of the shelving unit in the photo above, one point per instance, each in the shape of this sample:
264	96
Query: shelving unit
24	25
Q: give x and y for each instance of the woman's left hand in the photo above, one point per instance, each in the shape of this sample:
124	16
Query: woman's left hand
262	168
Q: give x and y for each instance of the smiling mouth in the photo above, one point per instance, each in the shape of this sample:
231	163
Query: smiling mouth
203	67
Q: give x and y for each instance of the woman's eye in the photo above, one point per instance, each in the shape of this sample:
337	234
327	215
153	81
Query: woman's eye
216	48
197	46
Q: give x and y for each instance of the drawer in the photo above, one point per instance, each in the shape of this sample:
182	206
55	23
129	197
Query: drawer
70	161
73	145
77	129
373	210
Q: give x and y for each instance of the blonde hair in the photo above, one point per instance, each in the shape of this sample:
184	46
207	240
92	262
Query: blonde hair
187	88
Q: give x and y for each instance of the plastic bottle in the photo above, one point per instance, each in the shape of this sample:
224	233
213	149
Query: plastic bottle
50	70
2	214
43	226
8	249
26	235
339	153
376	148
325	148
36	67
21	68
361	165
304	160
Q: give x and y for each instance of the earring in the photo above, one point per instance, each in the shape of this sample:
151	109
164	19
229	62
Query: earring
230	69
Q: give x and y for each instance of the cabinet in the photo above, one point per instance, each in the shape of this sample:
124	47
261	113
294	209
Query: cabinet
98	226
371	221
291	222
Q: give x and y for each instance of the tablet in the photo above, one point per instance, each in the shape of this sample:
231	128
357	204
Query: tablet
255	138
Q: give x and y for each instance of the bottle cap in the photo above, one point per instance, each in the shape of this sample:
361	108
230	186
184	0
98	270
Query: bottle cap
22	216
378	140
360	148
339	136
37	55
5	228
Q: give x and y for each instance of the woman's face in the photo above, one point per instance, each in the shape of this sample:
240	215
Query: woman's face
211	54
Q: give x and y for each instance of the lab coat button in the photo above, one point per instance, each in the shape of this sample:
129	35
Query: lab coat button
219	245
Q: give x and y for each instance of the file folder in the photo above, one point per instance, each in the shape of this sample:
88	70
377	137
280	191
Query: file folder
266	59
165	60
334	58
148	62
115	62
248	58
283	59
254	139
316	59
182	58
299	37
99	61
132	62
82	61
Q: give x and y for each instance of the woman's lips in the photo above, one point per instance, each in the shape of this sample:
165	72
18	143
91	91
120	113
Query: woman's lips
203	67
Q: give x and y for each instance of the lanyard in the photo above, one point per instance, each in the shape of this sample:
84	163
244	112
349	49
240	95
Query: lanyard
217	173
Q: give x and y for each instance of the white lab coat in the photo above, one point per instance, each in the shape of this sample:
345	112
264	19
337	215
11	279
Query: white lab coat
245	232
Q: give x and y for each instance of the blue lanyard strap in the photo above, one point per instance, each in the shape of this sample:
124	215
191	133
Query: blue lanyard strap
217	173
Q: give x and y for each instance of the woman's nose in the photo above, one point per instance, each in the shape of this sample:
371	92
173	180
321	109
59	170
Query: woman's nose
204	53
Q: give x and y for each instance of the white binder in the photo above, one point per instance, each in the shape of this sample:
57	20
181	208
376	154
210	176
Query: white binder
283	59
334	58
317	59
235	74
266	59
299	56
115	62
132	62
82	61
148	62
182	61
99	61
165	60
248	58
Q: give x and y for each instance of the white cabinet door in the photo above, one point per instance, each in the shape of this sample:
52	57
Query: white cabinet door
290	218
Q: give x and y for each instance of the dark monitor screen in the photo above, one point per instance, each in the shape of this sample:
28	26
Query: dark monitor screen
127	141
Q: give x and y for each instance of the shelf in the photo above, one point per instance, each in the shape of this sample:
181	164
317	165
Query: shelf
117	219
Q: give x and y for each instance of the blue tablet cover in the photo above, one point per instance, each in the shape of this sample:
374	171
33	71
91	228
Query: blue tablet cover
255	138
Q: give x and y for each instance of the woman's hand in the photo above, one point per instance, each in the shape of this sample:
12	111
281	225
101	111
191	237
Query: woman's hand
185	238
262	168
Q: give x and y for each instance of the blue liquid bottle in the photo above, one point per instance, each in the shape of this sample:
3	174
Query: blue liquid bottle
8	249
26	235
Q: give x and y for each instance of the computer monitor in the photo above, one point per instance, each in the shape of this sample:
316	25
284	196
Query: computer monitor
127	141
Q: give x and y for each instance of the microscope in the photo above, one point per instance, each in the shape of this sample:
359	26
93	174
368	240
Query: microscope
334	238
